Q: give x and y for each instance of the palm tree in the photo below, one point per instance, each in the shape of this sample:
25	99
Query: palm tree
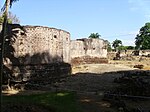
116	44
94	35
8	3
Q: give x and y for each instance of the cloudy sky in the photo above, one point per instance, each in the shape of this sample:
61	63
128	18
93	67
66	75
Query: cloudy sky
112	19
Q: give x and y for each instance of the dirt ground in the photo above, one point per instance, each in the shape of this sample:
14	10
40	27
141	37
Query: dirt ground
91	81
131	61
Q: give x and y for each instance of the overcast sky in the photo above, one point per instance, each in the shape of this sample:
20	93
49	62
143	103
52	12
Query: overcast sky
112	19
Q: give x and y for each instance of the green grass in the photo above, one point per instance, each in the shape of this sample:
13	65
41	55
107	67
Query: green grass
60	102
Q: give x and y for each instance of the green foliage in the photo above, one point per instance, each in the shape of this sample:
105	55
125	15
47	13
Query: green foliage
11	18
94	35
125	47
60	102
2	20
108	46
122	48
143	38
5	9
130	47
116	43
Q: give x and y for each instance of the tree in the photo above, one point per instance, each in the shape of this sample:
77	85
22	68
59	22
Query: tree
130	47
143	38
116	44
94	35
121	47
11	18
14	19
108	45
8	3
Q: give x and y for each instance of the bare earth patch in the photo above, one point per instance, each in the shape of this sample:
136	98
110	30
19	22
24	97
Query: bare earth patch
90	81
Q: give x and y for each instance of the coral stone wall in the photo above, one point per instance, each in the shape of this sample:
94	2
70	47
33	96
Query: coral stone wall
36	53
88	49
39	40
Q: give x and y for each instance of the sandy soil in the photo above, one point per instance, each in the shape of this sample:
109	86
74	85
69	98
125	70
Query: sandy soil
132	61
90	81
100	68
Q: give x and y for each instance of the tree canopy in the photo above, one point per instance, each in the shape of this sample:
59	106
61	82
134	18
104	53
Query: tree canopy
143	38
108	45
11	18
94	35
116	43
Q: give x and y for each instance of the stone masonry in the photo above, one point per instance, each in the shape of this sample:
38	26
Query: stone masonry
38	40
88	51
39	54
36	53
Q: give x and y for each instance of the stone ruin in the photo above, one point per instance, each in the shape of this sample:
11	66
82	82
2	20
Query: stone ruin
37	40
36	54
39	54
88	51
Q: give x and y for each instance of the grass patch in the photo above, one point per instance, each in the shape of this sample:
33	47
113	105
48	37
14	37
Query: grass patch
60	102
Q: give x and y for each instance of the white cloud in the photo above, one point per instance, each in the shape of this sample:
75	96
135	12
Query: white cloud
127	33
133	32
140	6
130	42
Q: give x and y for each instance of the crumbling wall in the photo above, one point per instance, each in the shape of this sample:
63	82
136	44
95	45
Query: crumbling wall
36	52
38	40
81	49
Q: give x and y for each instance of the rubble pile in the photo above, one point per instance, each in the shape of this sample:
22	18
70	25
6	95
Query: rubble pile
132	93
136	84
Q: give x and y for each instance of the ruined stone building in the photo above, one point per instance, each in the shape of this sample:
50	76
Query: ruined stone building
38	40
37	52
88	51
88	47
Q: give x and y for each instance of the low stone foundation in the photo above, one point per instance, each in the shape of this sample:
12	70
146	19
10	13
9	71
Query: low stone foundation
88	60
41	74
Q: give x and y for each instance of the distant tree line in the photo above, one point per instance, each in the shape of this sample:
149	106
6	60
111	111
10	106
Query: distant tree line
116	44
142	40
